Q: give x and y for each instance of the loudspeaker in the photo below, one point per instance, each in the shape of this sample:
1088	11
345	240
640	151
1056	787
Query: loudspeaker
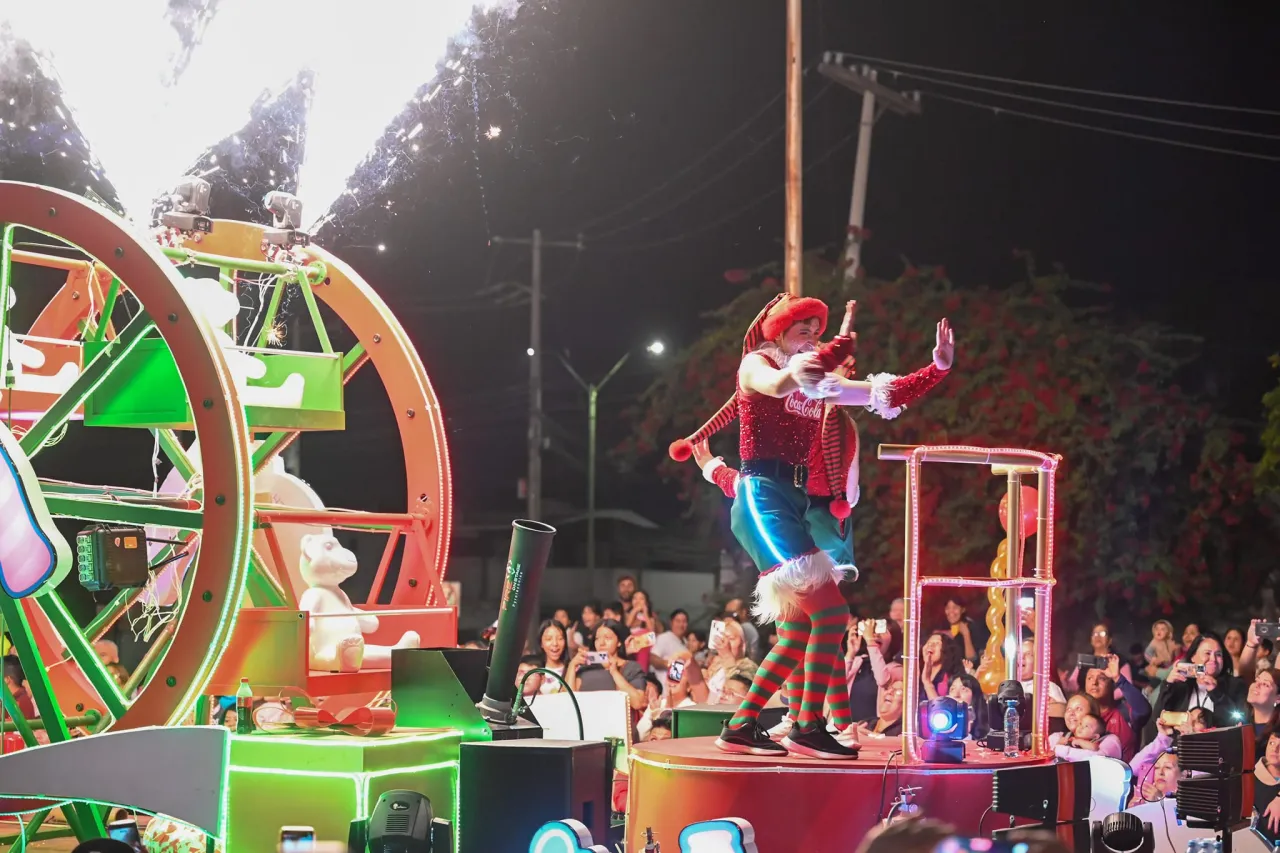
508	789
1053	793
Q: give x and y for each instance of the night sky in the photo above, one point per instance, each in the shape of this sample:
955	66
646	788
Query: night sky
601	102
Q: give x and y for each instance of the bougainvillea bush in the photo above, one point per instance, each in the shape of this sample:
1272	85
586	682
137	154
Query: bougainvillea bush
1154	489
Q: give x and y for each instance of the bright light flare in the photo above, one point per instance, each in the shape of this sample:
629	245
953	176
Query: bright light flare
116	72
147	129
656	348
369	60
493	132
382	247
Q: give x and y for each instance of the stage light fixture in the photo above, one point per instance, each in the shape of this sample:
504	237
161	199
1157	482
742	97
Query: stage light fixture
1123	832
185	207
286	222
945	722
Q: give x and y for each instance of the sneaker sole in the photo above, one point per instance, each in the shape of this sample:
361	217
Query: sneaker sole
810	752
740	749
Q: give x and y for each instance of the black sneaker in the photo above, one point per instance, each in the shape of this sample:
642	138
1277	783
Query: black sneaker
748	739
814	741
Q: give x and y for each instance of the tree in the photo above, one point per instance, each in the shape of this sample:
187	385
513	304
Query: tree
1154	488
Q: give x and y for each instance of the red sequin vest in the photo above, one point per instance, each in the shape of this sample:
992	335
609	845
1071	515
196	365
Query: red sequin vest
784	428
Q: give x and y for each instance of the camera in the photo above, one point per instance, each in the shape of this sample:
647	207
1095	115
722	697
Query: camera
1091	661
1267	630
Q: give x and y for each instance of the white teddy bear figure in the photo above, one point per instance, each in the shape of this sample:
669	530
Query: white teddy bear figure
337	627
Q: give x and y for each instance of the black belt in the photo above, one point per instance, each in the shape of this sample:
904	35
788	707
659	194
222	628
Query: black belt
776	469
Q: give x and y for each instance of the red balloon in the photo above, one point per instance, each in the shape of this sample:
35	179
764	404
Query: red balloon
1030	508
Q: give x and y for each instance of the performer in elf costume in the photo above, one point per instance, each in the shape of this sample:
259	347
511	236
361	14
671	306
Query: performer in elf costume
791	434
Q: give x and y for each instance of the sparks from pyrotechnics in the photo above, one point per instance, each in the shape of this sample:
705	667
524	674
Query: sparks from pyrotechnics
355	91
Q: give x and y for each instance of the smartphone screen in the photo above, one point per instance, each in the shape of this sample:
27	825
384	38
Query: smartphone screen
675	672
715	635
297	839
1027	603
126	831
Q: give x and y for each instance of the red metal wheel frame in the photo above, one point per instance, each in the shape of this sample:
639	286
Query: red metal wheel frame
207	619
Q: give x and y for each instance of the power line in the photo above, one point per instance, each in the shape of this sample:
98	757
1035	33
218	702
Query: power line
1098	110
715	223
1074	89
733	134
1143	136
714	178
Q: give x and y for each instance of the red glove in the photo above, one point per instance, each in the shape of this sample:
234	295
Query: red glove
833	353
727	479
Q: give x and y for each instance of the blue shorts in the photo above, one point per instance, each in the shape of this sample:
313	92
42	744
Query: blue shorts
768	520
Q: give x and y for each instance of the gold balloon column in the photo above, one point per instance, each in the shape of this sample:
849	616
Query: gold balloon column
992	669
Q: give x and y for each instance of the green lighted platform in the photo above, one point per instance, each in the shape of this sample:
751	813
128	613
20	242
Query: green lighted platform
150	394
329	780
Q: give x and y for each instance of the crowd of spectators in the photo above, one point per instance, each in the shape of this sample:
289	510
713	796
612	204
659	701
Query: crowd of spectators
1128	707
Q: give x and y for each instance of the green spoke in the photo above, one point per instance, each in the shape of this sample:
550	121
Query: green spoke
84	821
104	319
20	723
175	452
107	511
113	610
269	320
84	654
103	365
24	644
316	319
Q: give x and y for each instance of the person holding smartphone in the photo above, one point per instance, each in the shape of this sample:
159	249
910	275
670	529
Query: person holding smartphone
872	644
609	669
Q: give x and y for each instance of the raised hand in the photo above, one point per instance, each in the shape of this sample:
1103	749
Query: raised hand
944	353
850	312
702	453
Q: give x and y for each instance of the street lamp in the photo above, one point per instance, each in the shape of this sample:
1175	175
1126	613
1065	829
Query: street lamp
656	348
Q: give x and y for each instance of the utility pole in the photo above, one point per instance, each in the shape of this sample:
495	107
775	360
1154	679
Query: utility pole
793	248
863	79
534	486
656	348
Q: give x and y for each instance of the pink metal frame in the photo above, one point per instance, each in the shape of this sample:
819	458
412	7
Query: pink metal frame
1015	462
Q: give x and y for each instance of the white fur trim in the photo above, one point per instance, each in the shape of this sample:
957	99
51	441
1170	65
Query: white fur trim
712	467
880	387
855	494
777	591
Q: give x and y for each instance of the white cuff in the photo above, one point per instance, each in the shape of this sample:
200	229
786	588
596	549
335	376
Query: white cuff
881	385
712	466
857	493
